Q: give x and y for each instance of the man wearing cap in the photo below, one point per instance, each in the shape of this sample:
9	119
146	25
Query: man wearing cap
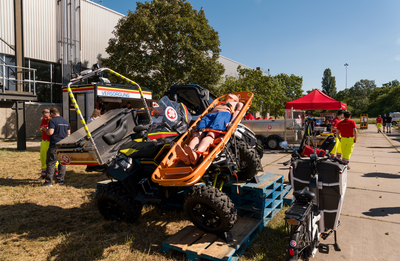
58	129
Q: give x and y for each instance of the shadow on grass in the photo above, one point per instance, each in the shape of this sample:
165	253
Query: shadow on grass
382	212
80	233
270	244
381	175
74	179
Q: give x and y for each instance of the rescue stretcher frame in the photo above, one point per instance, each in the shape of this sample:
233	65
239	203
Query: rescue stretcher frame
169	173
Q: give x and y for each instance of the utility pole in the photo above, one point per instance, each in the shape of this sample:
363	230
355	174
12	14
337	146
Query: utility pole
346	64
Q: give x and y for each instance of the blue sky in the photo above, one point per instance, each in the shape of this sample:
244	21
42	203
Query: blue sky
304	37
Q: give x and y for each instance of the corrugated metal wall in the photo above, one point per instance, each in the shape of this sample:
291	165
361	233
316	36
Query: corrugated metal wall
40	30
97	24
39	18
6	25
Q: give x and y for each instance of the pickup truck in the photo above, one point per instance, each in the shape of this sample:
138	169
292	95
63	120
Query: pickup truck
271	132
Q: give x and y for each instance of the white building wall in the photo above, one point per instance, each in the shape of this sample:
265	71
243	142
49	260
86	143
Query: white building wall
231	66
40	30
97	24
39	19
6	26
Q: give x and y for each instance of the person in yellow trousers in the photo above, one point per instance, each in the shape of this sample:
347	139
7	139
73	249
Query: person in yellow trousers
44	145
348	136
379	123
337	150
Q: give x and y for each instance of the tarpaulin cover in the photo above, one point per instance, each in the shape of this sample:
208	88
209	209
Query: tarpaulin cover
316	100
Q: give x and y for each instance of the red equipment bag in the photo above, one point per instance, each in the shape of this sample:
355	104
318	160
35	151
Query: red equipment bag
308	150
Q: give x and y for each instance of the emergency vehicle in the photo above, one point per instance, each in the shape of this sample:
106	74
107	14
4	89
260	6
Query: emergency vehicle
395	117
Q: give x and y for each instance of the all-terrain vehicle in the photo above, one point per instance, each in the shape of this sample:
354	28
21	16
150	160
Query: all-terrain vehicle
132	145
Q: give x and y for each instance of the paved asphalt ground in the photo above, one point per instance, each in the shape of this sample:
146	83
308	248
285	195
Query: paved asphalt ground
370	219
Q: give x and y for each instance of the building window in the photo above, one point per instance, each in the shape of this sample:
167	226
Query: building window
42	70
47	77
43	92
7	74
56	93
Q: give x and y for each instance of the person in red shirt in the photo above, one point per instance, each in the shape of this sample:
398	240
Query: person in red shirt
44	145
337	150
347	135
379	123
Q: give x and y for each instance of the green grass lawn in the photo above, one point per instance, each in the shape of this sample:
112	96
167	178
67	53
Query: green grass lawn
63	223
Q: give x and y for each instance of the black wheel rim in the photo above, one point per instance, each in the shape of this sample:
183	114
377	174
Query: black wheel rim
206	215
112	210
272	143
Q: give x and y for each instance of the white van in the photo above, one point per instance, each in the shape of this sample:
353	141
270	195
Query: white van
395	117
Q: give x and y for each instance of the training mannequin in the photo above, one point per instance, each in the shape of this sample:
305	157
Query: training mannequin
215	123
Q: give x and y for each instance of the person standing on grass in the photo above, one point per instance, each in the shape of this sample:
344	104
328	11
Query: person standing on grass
337	150
44	145
347	136
58	129
379	123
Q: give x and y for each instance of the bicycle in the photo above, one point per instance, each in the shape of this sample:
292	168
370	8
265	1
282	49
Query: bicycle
308	218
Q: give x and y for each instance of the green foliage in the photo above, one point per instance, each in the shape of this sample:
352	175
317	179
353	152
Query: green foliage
291	85
365	97
329	83
359	95
270	92
165	42
385	100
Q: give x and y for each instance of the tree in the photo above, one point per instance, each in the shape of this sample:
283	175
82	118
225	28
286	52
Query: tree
329	83
359	95
385	99
292	85
392	83
268	91
165	42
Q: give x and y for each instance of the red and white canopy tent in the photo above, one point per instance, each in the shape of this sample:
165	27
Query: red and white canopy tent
316	100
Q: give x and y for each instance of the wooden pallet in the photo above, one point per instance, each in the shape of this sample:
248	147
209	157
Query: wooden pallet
256	199
287	194
257	204
198	245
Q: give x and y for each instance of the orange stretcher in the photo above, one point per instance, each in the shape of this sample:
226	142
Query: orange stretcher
172	172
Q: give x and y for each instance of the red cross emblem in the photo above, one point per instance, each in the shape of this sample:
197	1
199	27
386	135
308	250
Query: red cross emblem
171	114
65	159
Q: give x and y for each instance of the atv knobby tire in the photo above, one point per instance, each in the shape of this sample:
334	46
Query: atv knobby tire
114	203
250	163
210	209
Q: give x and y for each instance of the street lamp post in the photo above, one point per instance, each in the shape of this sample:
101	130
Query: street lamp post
346	64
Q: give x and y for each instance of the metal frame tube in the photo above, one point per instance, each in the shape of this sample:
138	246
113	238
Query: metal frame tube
74	102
